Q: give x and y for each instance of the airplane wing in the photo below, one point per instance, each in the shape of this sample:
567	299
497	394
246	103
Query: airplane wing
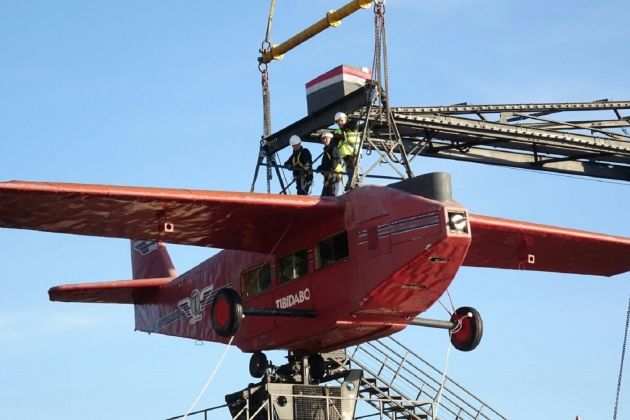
121	291
501	243
230	220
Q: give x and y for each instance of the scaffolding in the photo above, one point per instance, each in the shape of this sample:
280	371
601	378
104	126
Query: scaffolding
381	379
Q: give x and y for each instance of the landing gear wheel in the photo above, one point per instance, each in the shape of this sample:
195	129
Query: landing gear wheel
468	330
227	312
317	366
258	364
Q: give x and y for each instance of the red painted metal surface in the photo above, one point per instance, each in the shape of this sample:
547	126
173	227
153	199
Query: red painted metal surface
502	243
122	291
402	255
230	220
150	259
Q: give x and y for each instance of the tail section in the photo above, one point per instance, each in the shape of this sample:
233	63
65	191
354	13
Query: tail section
152	269
150	259
121	291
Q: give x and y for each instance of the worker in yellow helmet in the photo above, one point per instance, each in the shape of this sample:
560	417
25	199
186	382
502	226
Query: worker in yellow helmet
301	163
348	138
331	167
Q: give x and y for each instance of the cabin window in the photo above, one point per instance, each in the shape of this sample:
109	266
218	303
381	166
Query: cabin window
332	249
293	266
256	280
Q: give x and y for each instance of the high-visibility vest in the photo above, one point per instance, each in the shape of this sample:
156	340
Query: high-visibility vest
349	145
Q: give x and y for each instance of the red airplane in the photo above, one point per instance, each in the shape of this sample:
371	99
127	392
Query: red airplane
300	273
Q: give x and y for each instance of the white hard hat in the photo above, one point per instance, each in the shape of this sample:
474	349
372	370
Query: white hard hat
340	115
294	140
326	134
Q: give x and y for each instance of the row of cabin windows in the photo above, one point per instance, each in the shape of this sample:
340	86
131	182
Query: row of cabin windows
293	266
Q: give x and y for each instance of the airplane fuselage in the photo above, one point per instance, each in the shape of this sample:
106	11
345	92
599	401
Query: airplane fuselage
365	275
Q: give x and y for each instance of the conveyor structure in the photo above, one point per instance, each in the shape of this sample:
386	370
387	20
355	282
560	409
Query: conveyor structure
589	139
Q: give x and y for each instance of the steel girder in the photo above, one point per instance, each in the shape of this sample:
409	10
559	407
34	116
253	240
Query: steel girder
514	135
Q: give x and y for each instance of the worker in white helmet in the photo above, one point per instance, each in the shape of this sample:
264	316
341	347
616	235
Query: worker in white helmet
301	163
348	139
331	167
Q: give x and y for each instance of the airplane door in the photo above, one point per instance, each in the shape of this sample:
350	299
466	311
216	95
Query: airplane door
257	292
293	288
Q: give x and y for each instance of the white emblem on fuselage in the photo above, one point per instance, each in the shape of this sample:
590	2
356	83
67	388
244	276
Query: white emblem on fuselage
192	307
293	299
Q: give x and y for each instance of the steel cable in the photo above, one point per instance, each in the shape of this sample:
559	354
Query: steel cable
623	356
210	378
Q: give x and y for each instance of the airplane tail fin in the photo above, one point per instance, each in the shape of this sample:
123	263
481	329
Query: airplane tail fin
150	259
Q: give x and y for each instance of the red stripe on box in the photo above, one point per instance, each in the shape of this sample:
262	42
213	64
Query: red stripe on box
339	70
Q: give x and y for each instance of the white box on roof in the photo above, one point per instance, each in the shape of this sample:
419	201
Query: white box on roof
334	85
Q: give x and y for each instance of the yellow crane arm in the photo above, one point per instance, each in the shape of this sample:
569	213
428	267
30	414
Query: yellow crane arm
332	18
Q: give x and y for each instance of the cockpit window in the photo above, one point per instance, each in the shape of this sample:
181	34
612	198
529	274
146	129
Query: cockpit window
332	250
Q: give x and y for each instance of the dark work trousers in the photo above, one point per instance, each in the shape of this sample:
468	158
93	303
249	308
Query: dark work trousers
349	161
331	183
303	184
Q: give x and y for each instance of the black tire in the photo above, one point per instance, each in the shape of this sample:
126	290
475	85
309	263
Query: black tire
466	336
317	366
258	364
227	312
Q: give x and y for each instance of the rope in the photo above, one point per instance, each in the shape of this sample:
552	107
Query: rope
450	299
445	307
439	395
623	356
210	378
277	159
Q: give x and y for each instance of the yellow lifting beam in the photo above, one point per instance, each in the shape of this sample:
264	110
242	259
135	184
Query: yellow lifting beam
333	18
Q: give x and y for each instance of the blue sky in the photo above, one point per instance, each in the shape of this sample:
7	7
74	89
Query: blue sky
168	94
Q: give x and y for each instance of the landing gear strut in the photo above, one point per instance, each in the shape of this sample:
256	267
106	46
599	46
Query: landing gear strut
227	312
465	327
